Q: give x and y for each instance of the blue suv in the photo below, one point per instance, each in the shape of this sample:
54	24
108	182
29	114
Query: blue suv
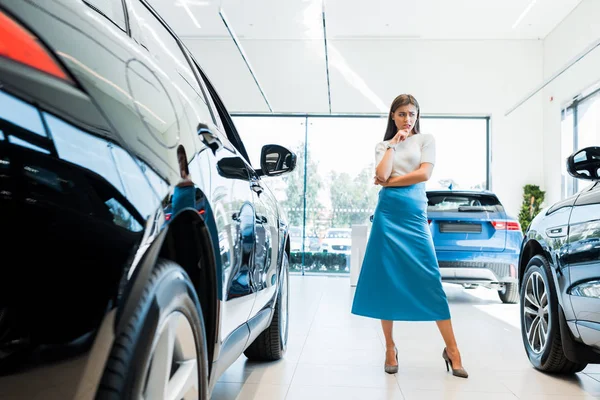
476	242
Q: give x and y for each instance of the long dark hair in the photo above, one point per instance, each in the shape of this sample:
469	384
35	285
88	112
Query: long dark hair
402	100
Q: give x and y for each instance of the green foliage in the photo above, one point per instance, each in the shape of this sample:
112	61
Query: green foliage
320	262
533	197
349	193
295	188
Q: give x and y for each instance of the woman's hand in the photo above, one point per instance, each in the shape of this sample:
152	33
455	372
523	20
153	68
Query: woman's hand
399	137
377	181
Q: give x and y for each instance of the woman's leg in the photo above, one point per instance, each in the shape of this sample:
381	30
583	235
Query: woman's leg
390	351
447	332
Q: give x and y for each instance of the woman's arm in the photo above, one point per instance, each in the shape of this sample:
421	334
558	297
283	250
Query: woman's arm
384	168
417	176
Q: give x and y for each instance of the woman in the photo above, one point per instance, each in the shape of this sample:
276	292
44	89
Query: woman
400	278
184	194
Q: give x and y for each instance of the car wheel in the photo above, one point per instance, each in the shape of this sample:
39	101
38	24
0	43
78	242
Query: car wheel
161	354
271	344
540	328
509	294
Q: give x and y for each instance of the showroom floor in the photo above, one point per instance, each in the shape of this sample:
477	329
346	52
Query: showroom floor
335	355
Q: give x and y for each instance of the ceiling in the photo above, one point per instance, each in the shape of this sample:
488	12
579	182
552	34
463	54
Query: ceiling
419	19
367	43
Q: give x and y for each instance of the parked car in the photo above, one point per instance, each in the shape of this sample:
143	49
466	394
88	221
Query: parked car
337	240
311	241
559	276
142	253
476	242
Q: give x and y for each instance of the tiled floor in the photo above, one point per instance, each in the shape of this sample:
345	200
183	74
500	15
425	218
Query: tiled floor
335	355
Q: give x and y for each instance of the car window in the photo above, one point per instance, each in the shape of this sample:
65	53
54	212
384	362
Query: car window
459	202
225	120
112	10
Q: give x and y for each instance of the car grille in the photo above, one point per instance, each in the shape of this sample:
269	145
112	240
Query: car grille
499	269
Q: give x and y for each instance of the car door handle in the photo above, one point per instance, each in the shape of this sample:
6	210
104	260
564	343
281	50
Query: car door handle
261	219
208	137
254	185
235	217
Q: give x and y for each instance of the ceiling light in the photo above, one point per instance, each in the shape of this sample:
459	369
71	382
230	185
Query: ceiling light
186	6
524	13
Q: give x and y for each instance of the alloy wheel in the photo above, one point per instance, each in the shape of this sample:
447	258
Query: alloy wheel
173	370
536	315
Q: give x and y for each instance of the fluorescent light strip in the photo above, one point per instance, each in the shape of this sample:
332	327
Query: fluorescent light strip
524	13
186	7
244	57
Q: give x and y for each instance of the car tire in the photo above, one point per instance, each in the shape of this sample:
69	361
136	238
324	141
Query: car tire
509	294
167	325
271	344
543	344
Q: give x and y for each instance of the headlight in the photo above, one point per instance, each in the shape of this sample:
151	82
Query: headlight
588	289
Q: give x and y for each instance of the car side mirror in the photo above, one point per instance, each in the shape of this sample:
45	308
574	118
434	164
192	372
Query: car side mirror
585	164
276	160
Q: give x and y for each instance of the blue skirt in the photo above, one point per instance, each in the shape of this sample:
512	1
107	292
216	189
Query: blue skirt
400	278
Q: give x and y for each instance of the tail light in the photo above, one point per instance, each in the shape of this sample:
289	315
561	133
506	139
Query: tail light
168	216
506	225
20	45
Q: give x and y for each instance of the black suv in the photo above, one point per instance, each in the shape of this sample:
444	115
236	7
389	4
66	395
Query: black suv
142	254
559	276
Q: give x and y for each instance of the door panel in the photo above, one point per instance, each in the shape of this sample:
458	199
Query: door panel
584	230
231	199
267	240
584	250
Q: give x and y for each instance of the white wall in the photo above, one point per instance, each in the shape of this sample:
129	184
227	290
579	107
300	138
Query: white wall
458	77
578	31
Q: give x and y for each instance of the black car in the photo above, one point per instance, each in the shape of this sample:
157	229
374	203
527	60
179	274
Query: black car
142	254
559	276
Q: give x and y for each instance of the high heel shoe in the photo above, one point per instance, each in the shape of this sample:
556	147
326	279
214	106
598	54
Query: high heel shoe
460	372
392	369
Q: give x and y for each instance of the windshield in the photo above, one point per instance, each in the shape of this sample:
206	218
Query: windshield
463	202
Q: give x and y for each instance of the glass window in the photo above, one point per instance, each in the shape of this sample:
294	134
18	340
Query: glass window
566	149
588	124
461	156
111	9
339	159
580	128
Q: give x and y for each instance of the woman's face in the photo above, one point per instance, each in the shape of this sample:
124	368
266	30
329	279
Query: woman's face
405	117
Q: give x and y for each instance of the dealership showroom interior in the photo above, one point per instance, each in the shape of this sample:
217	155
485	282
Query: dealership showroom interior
300	200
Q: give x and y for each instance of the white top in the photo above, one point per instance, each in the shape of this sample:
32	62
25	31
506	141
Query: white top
409	154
